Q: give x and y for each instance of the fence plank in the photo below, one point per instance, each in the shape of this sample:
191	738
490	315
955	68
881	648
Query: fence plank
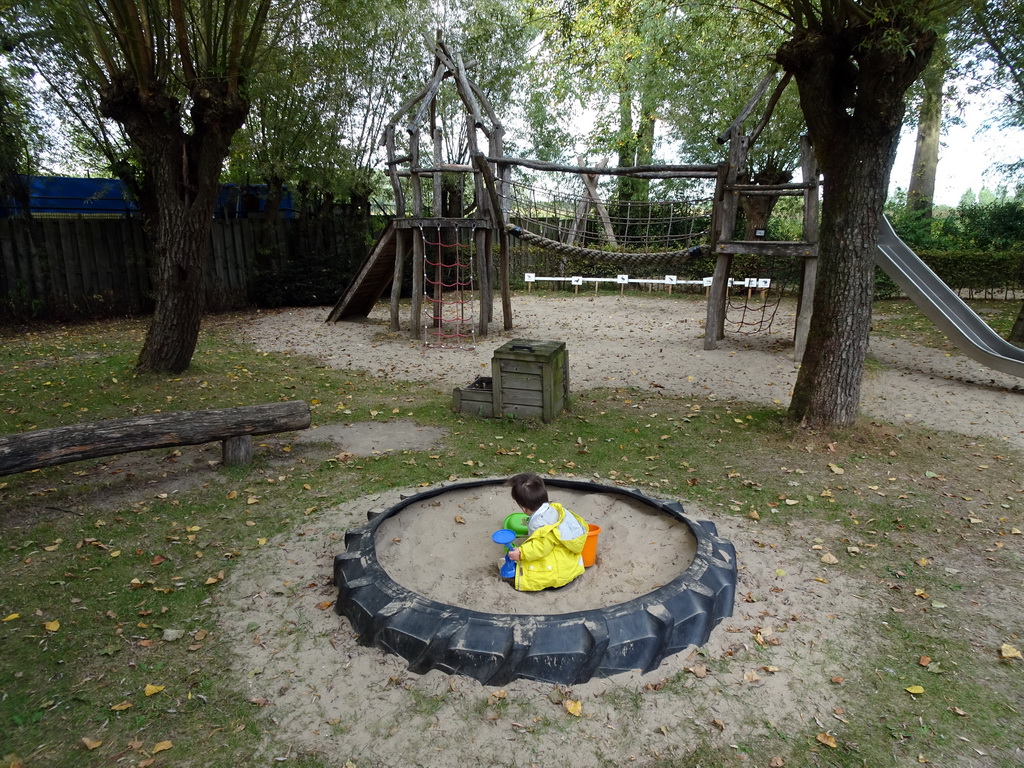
89	268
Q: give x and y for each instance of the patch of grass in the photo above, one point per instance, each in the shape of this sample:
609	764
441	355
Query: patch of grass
103	558
901	319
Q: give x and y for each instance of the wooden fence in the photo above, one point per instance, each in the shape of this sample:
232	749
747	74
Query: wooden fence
80	267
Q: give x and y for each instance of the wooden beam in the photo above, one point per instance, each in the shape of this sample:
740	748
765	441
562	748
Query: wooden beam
640	171
77	442
769	248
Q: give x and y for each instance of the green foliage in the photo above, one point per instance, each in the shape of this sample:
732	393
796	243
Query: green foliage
974	249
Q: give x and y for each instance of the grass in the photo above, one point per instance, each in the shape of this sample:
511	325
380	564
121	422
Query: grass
109	564
901	319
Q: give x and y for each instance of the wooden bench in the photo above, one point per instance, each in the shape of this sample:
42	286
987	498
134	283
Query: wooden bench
234	426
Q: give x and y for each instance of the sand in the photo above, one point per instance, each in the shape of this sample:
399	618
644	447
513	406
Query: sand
655	344
438	548
773	666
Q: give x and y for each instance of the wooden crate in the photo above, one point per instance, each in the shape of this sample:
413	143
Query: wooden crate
477	398
530	379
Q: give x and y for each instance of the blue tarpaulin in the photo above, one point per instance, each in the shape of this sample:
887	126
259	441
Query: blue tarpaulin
70	195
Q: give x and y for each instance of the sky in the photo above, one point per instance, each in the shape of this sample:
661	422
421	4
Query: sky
966	157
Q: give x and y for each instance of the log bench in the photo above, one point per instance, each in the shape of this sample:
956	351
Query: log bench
235	427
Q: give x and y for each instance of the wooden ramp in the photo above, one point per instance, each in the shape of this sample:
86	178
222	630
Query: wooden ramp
374	276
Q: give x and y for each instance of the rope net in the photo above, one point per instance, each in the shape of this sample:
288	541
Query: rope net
563	225
751	310
449	307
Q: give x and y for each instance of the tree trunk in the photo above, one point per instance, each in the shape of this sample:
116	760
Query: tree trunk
182	170
50	447
921	190
757	209
828	385
1017	332
851	85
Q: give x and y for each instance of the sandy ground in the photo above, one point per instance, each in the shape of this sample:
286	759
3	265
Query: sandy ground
795	627
416	548
778	663
656	344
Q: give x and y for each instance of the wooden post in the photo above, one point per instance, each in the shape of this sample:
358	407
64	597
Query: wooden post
415	331
401	245
482	243
237	450
414	178
727	204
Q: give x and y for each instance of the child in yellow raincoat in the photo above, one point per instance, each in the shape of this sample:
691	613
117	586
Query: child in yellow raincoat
551	555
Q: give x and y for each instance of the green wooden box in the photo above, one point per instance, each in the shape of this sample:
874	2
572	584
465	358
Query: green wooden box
530	379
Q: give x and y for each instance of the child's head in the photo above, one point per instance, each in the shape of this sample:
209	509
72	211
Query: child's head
529	491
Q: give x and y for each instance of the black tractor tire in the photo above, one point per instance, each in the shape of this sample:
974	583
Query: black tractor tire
565	648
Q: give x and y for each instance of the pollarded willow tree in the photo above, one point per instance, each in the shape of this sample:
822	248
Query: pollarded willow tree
853	61
175	75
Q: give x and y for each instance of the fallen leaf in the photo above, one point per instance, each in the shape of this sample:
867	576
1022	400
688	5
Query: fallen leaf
827	739
161	746
122	706
699	671
325	605
1007	651
53	626
151	689
574	707
12	617
157	560
91	744
958	711
924	661
776	762
915	689
836	469
460	520
829	558
718	724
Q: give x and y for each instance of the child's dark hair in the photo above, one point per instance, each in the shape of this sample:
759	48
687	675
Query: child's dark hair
529	491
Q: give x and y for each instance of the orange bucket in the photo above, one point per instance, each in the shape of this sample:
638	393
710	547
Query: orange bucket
590	546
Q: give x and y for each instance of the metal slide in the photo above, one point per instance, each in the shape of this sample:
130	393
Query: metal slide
943	307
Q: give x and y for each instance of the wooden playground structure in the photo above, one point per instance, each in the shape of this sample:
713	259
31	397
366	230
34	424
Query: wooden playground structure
456	204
